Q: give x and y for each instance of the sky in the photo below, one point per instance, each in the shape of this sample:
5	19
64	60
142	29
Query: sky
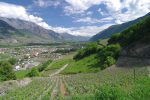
77	17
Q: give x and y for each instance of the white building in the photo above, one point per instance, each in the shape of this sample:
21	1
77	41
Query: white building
17	67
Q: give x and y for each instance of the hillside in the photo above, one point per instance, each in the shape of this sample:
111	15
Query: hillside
31	31
7	32
135	39
115	29
135	42
28	32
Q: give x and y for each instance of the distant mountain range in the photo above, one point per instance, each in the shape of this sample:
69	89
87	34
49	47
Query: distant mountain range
115	29
20	31
69	37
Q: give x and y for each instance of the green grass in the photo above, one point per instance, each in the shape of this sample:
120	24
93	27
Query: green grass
87	64
22	73
58	64
66	59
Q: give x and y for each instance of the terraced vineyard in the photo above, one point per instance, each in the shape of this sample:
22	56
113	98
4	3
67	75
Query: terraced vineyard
80	86
38	88
88	84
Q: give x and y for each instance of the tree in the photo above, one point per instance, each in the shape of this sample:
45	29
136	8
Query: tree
111	50
6	71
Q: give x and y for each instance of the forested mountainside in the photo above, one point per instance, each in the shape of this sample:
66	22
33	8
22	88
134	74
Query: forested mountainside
107	33
135	40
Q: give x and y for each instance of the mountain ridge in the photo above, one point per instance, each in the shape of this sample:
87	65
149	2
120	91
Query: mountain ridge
115	29
31	32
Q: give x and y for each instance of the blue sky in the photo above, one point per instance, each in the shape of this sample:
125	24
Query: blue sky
77	17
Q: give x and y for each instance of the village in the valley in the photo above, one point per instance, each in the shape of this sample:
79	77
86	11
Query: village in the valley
31	56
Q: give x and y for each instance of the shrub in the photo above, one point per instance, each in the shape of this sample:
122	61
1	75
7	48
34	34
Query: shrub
6	71
109	61
33	72
108	55
111	50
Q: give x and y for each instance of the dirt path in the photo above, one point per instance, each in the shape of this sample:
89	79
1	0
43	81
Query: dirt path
59	85
62	89
58	71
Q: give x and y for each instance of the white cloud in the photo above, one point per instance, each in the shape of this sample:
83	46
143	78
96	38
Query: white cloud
79	6
89	13
47	3
89	30
102	13
19	12
94	20
82	31
135	8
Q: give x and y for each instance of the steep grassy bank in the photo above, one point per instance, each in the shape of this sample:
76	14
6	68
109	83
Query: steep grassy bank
88	64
